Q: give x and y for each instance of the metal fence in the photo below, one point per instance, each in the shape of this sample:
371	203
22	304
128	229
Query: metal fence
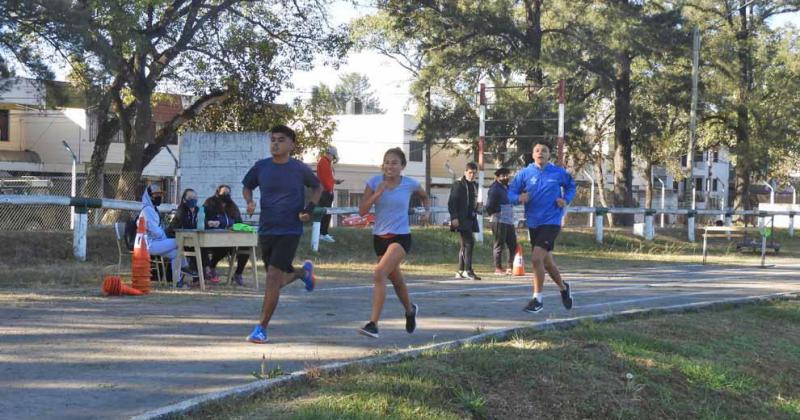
34	217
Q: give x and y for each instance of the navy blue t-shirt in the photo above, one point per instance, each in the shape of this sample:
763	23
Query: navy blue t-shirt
282	191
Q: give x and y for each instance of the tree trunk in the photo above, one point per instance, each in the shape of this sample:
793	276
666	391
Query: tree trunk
107	129
623	149
132	167
742	150
533	35
600	179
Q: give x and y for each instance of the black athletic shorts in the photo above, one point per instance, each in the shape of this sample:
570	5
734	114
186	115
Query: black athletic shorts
382	244
278	250
544	236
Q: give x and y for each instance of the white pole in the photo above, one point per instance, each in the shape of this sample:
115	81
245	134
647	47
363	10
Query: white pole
481	145
663	199
79	235
74	182
315	235
73	190
794	194
690	227
598	228
771	193
591	197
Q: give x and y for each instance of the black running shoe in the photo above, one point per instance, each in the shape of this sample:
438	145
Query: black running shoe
535	305
411	320
566	296
370	330
471	275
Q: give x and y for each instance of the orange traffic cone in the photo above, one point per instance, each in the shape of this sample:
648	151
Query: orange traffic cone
519	264
113	286
140	265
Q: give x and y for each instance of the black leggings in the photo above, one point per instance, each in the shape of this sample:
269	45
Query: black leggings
325	200
217	254
465	253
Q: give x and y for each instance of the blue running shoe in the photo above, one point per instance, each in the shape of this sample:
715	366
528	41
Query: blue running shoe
309	278
258	336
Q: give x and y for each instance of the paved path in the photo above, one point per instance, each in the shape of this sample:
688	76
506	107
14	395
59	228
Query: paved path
83	356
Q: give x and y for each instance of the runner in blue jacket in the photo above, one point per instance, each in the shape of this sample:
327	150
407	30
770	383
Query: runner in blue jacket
545	189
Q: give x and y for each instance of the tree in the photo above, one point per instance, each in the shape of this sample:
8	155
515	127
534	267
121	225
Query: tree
747	74
353	90
611	37
212	49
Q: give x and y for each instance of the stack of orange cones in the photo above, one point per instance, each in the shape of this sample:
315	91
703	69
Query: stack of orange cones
140	266
519	264
113	286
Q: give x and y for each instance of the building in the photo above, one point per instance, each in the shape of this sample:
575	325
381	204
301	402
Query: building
37	117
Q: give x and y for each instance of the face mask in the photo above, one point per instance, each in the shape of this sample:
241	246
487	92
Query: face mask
191	203
225	197
157	201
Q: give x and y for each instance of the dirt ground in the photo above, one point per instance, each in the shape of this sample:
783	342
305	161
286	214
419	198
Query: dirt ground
72	353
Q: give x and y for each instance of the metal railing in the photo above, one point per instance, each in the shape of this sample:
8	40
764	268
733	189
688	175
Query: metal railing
83	205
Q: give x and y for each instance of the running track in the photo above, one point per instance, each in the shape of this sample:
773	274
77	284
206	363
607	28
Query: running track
73	356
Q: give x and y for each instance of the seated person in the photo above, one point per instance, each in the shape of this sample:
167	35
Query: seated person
222	213
185	218
157	241
185	214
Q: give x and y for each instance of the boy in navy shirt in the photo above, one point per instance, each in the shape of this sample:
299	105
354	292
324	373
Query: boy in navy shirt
545	189
282	181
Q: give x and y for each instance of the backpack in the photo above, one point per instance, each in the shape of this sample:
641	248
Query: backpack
130	233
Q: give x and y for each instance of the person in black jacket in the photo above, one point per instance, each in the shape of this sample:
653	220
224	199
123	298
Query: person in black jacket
185	214
222	213
463	208
501	218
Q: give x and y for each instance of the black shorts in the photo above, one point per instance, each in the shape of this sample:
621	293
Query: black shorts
382	244
278	250
544	236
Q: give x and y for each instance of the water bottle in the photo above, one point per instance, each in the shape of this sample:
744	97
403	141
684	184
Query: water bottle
201	218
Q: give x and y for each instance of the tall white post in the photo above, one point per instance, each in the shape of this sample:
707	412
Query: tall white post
591	197
771	192
663	199
481	146
690	226
73	190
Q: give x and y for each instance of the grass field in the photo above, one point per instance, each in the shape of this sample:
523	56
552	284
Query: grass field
733	363
44	259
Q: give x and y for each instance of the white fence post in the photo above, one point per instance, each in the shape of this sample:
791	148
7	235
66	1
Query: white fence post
791	224
81	224
598	225
690	224
649	229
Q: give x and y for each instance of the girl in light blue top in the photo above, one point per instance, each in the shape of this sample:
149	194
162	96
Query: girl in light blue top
391	194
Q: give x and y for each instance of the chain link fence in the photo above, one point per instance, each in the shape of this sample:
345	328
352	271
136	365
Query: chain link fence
56	218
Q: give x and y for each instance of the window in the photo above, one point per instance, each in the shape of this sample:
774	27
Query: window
4	125
716	158
342	198
675	186
714	185
415	152
698	184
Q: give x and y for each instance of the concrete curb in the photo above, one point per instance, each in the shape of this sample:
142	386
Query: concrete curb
244	391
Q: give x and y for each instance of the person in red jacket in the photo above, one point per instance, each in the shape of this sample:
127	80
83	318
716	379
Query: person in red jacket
325	175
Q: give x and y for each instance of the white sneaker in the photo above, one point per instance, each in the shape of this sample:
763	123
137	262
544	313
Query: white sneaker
327	238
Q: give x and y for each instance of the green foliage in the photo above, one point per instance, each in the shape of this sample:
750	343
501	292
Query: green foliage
352	88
